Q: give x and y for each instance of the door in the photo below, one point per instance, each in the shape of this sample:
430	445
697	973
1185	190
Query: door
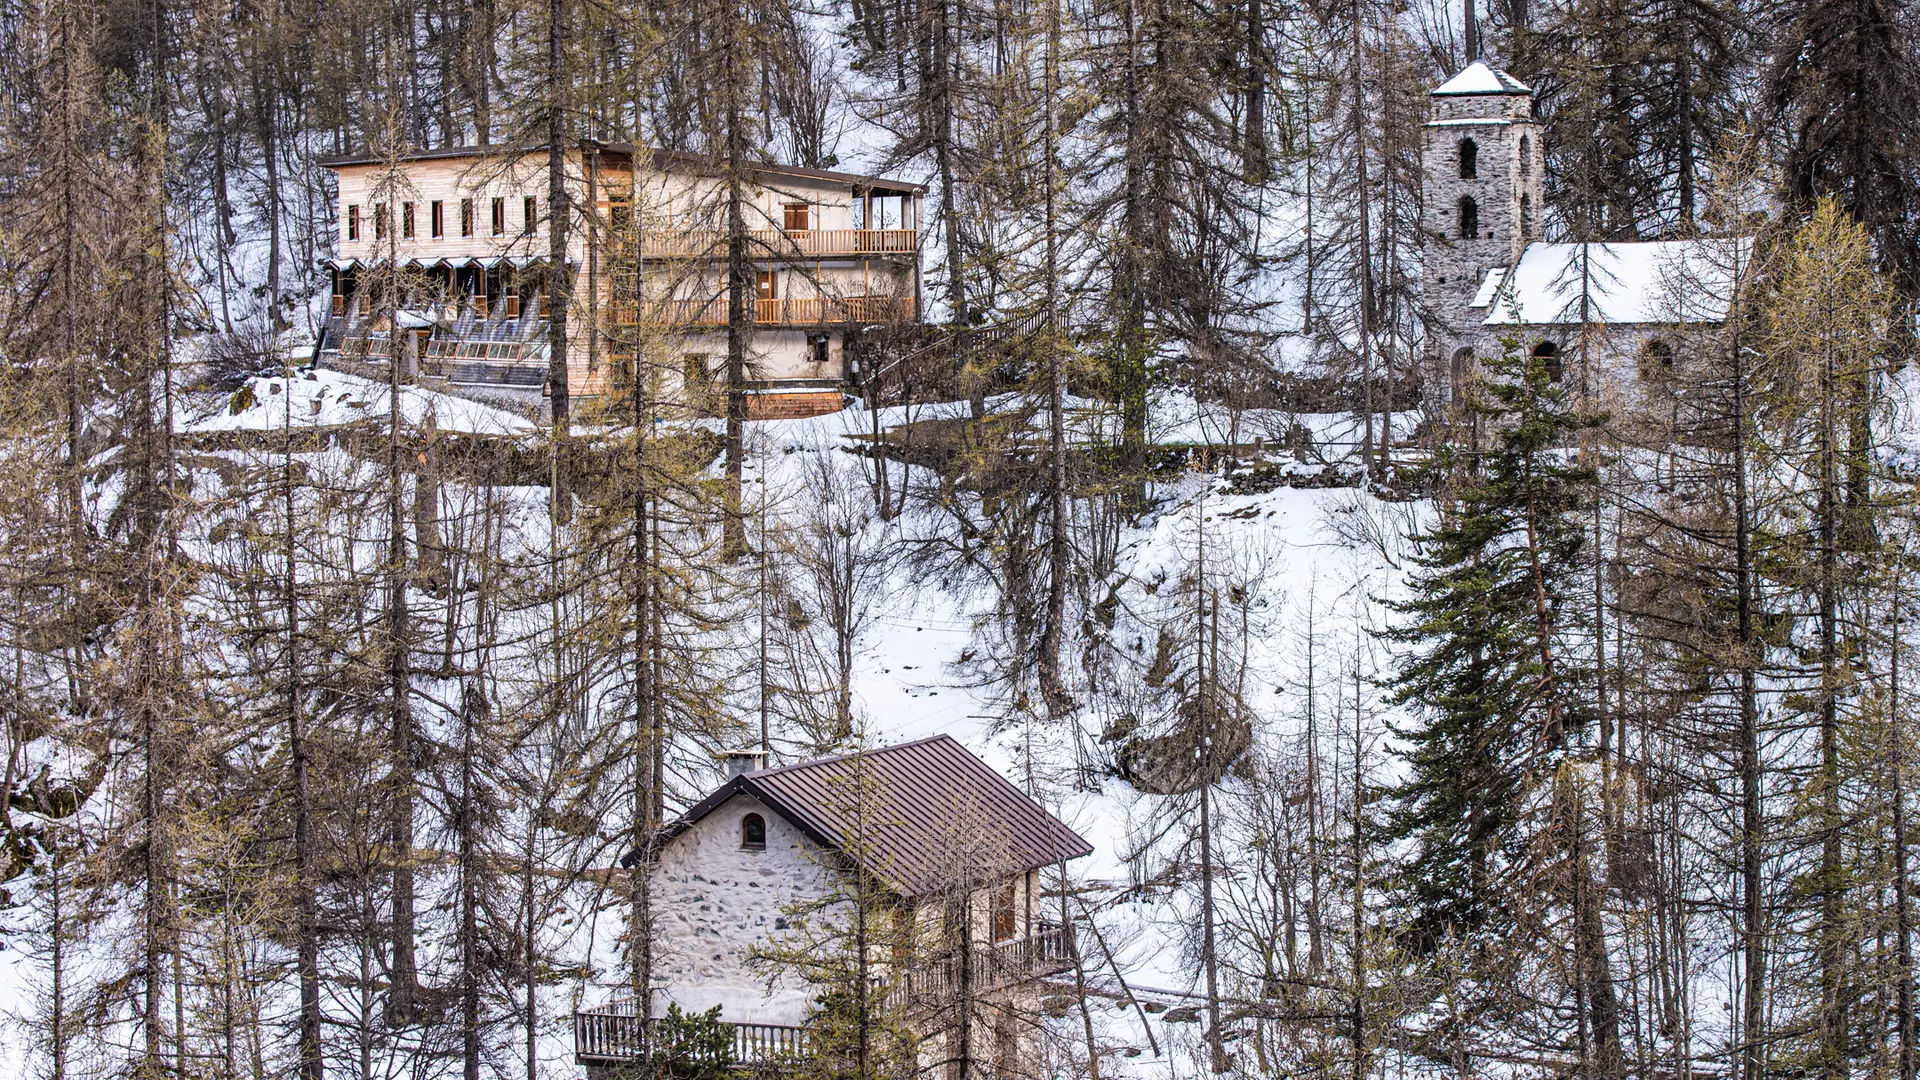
766	291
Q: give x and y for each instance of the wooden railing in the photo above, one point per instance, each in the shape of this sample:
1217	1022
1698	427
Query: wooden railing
789	311
1047	951
780	243
612	1033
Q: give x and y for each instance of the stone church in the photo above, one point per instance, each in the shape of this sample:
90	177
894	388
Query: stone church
1491	278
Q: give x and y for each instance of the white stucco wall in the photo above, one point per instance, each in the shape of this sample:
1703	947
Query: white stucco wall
713	901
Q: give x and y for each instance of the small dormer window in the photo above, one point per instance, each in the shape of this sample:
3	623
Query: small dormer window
1469	159
753	833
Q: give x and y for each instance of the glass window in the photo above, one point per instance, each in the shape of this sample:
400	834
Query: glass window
753	832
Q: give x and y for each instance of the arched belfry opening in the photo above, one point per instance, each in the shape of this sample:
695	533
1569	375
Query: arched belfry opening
1458	373
1469	159
1469	218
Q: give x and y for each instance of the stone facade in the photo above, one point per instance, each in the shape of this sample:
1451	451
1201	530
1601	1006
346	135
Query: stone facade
1491	122
714	900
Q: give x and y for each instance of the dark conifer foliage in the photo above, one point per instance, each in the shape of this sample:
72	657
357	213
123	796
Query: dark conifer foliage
1493	678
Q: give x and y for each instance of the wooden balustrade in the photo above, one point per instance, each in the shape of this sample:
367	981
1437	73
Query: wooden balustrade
785	311
612	1033
1051	948
780	243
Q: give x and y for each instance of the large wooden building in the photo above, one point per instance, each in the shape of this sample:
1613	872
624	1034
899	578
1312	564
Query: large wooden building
442	258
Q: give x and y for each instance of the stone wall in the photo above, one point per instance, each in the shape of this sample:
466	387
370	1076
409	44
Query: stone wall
714	900
1453	265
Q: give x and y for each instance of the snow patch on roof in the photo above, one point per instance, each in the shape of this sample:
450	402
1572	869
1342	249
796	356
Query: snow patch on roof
1657	281
1479	78
1488	286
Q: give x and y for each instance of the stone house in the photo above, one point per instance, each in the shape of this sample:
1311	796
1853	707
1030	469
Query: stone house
763	867
441	258
1490	279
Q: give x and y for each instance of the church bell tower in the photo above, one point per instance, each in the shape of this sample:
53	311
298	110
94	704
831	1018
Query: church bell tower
1482	168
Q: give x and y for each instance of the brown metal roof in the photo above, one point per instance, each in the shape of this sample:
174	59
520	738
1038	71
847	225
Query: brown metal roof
924	816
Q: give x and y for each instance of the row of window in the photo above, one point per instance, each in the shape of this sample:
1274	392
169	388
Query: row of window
437	219
1470	217
1470	158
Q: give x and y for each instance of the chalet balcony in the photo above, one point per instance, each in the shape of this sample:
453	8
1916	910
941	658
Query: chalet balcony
1048	951
789	311
780	243
610	1035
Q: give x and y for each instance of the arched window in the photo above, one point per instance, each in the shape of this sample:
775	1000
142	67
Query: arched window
1469	218
753	832
1461	370
1526	156
1549	355
1469	159
1526	216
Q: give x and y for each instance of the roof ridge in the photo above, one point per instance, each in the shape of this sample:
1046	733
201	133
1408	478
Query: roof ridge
792	766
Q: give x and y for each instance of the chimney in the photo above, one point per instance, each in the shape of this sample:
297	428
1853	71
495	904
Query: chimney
737	762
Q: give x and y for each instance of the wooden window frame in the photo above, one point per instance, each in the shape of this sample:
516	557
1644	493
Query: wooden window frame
437	218
747	830
530	215
406	220
353	221
1004	923
804	212
379	221
499	215
466	217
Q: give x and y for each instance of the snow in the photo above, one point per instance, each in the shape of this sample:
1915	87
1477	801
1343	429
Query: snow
322	398
1479	78
1655	281
1489	285
911	680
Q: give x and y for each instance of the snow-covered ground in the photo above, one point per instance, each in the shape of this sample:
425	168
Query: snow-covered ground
1298	556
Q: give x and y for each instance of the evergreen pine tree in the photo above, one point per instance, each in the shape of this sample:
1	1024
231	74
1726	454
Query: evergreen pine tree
1493	598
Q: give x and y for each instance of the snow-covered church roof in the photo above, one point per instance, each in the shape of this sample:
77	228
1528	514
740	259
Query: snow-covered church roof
1655	281
1480	78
